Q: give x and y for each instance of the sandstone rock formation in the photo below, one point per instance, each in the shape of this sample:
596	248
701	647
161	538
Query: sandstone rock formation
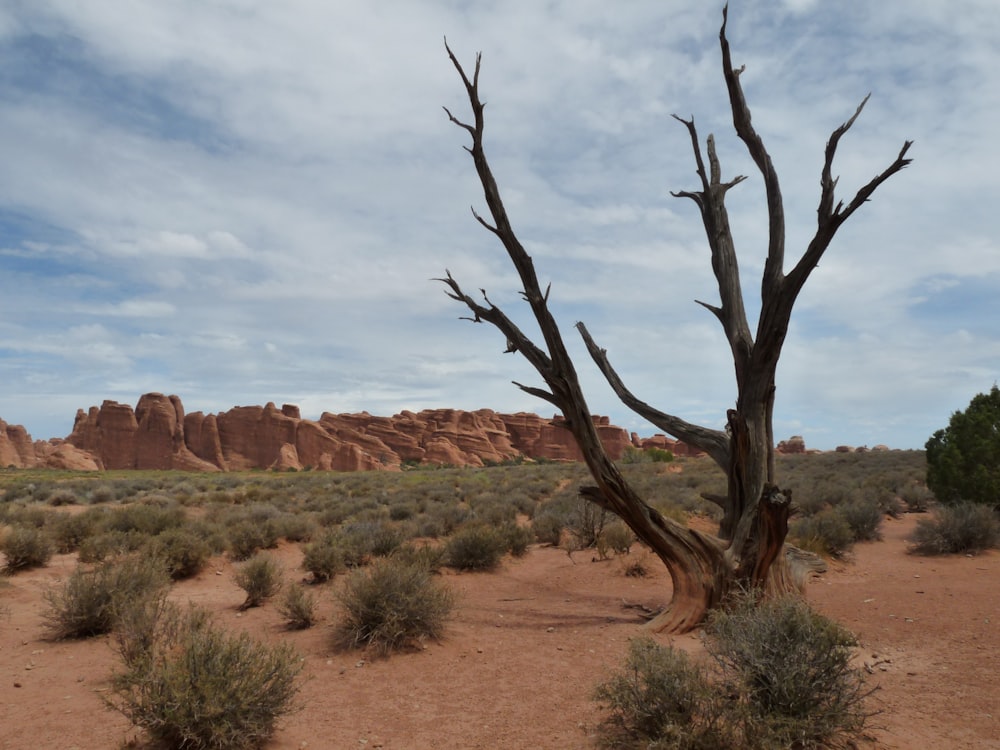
157	434
793	446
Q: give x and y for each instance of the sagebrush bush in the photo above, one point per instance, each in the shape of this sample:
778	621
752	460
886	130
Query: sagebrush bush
260	578
864	516
429	556
516	538
615	537
548	528
961	528
324	557
184	554
659	699
88	603
25	547
69	530
109	544
192	685
780	677
792	666
298	607
826	532
247	537
391	605
475	547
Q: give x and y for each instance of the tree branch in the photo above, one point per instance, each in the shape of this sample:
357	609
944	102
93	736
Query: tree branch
714	442
773	266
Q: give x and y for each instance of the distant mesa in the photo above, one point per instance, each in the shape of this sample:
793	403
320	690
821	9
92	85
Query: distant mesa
157	434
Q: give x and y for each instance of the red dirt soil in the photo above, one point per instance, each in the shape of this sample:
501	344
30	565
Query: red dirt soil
522	653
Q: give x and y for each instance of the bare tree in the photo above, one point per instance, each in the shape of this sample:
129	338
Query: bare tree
750	549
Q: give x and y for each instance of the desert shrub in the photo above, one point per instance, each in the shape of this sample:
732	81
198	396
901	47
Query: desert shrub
516	538
100	547
323	557
68	530
101	494
402	511
864	516
88	602
475	547
615	537
390	605
587	523
62	496
295	527
826	532
659	699
431	557
25	547
247	537
964	527
548	528
918	497
211	532
298	607
184	554
150	518
260	578
493	510
792	668
192	685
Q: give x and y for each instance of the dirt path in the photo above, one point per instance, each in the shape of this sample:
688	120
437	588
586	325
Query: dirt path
523	651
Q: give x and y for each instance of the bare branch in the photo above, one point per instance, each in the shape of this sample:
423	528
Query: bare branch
755	146
714	442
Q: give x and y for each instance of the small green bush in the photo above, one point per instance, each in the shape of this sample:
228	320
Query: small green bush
109	544
616	537
475	547
548	528
782	678
431	557
793	668
391	605
184	554
323	557
961	528
247	537
864	516
659	699
827	532
88	602
69	530
298	607
25	547
192	685
516	538
260	578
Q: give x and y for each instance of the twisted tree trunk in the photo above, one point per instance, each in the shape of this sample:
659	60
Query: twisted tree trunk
749	550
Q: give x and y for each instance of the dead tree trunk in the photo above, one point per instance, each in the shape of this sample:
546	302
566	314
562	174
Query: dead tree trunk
749	550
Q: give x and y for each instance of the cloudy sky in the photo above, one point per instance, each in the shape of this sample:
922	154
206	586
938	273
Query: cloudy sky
240	201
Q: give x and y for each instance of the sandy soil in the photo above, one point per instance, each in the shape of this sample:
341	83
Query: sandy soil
523	651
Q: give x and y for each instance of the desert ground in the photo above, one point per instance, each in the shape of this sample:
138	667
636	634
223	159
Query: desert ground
523	650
